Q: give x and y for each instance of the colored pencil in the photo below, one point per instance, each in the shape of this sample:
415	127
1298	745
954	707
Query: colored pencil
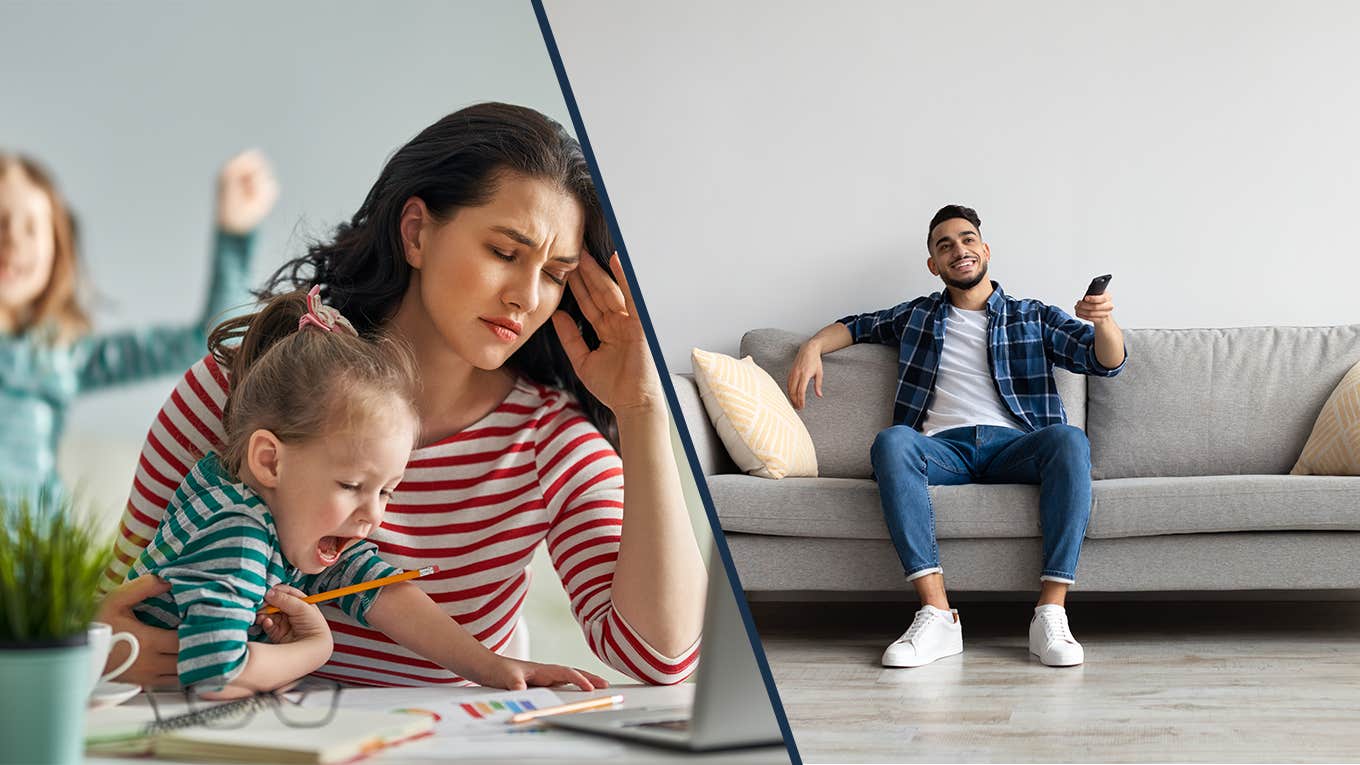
321	597
566	709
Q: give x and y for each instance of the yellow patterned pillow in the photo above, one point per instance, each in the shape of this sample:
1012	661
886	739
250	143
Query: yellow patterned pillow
753	418
1334	446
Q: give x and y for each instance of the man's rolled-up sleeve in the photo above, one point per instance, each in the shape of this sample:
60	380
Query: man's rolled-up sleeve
884	327
1071	344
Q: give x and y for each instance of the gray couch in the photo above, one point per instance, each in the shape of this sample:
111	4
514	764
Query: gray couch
1191	446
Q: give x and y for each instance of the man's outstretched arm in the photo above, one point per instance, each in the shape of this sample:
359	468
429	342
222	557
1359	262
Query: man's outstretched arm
807	366
1109	342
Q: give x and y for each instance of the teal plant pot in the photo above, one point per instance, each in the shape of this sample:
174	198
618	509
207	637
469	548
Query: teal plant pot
42	704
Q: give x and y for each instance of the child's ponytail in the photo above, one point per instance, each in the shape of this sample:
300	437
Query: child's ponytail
238	343
298	369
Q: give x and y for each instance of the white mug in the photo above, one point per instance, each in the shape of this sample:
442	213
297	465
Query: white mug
102	641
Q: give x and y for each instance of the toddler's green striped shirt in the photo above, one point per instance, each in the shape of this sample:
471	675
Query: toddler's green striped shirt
218	548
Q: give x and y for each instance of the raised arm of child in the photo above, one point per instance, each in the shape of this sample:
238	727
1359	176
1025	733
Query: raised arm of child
246	192
406	614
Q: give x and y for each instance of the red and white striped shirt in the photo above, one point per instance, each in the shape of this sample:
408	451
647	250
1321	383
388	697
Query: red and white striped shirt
475	504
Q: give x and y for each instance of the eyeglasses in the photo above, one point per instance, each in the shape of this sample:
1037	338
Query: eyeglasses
311	703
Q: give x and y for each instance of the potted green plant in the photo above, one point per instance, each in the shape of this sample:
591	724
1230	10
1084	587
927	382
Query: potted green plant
51	558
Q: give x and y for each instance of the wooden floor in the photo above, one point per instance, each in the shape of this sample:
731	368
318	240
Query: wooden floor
1179	682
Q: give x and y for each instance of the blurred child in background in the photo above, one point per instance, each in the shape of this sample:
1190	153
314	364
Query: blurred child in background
48	353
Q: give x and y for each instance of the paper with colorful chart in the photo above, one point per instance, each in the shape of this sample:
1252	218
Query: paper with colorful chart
472	722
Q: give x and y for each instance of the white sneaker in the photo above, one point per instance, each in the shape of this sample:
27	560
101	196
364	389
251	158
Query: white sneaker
1051	640
933	634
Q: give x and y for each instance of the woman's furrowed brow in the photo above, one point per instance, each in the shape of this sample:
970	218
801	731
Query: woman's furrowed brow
530	242
516	234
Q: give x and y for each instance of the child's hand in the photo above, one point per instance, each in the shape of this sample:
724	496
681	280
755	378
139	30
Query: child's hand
516	675
298	619
277	627
246	192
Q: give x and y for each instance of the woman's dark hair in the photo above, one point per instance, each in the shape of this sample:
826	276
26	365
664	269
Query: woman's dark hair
454	163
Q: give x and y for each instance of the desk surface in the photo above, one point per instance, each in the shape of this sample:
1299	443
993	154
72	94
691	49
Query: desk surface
566	746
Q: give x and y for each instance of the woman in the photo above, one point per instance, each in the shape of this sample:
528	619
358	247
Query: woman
477	232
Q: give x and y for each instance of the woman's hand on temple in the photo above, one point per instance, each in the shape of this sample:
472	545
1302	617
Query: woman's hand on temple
246	192
620	372
156	664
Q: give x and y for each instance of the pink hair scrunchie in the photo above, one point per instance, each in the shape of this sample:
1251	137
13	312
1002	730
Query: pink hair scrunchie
321	315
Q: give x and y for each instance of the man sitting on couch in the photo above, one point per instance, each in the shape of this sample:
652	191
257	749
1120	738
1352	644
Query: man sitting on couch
976	402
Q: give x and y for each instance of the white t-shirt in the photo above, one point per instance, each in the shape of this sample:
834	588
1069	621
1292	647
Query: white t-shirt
965	393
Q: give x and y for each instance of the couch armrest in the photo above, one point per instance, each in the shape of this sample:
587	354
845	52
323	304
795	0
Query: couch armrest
713	457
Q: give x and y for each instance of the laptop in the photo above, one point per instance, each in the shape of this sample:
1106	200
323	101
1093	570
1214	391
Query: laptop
731	706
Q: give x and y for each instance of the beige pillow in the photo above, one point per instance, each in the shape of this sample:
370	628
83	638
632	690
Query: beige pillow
1334	446
753	418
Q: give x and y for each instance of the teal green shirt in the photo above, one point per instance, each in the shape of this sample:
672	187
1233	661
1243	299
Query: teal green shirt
218	548
39	379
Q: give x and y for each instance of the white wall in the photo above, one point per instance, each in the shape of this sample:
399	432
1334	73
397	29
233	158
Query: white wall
776	163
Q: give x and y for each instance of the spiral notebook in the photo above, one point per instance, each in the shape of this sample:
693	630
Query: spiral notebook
351	735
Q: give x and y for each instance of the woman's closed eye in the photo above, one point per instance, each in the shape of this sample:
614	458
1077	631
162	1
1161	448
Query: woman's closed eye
557	276
348	485
558	269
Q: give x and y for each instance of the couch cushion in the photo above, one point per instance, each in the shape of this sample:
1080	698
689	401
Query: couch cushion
1333	448
857	387
1214	401
713	457
848	508
753	417
1138	507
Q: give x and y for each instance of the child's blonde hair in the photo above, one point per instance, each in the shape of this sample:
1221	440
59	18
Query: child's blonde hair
58	306
303	383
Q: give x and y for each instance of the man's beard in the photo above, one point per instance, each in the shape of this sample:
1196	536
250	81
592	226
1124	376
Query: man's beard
964	286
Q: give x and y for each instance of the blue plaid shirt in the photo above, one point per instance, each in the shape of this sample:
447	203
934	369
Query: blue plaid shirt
1027	339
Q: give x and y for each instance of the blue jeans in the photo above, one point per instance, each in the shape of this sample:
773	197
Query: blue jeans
1057	457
